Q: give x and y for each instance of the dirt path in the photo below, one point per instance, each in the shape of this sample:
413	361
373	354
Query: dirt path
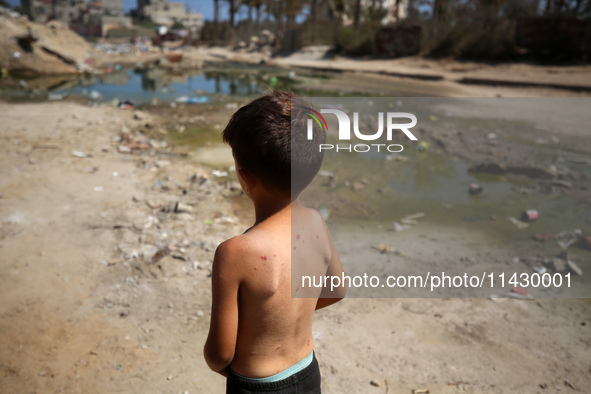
105	287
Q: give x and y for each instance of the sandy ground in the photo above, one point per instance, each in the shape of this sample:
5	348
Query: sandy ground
105	284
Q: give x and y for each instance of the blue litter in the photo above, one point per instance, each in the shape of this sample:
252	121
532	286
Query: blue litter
192	100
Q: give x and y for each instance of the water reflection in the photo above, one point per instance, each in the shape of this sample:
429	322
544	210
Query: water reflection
143	85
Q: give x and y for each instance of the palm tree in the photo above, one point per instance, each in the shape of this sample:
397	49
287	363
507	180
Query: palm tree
291	9
440	10
216	12
234	5
357	13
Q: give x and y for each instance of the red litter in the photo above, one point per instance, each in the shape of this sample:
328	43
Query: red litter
519	290
529	215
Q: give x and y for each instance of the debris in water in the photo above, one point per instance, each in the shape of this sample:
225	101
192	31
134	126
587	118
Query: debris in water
474	189
518	223
529	215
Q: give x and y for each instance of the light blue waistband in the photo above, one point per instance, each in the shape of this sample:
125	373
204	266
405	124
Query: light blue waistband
286	373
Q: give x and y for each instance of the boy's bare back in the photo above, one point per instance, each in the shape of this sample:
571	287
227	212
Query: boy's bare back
274	330
260	334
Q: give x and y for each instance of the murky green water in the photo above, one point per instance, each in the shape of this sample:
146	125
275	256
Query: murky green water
427	181
208	85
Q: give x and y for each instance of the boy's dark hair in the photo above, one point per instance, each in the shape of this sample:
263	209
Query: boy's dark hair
269	138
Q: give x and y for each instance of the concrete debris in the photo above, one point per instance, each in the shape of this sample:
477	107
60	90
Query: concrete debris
30	48
565	239
264	43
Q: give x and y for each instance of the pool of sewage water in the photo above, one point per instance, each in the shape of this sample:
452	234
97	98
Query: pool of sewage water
417	180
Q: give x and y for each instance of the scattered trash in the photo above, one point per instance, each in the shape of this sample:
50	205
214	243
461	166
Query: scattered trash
529	215
565	243
80	154
475	189
231	106
518	223
383	248
566	238
16	54
124	149
125	104
559	264
407	222
399	227
192	100
520	291
96	96
375	383
180	207
517	292
491	136
420	391
574	267
273	81
324	212
539	269
55	97
325	173
98	188
219	174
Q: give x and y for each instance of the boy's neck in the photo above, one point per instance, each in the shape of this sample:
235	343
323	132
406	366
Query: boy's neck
264	208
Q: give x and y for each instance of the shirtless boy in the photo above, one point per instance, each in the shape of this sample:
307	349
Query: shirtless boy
260	338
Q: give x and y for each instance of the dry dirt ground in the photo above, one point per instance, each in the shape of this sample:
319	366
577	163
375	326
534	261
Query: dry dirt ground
105	287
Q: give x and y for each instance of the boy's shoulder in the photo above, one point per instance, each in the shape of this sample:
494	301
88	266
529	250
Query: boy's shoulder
241	247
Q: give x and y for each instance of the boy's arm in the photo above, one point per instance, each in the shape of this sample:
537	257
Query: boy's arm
328	297
225	281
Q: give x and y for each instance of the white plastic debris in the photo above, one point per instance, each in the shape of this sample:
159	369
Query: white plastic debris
219	174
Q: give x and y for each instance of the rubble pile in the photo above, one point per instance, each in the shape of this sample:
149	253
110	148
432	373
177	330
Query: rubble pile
263	43
32	49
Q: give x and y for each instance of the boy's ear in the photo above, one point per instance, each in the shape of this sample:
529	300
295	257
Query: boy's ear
249	179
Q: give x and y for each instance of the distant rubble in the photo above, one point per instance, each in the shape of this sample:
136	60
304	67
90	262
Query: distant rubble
28	48
263	43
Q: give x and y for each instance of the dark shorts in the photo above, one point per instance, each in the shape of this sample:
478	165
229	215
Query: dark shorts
306	381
